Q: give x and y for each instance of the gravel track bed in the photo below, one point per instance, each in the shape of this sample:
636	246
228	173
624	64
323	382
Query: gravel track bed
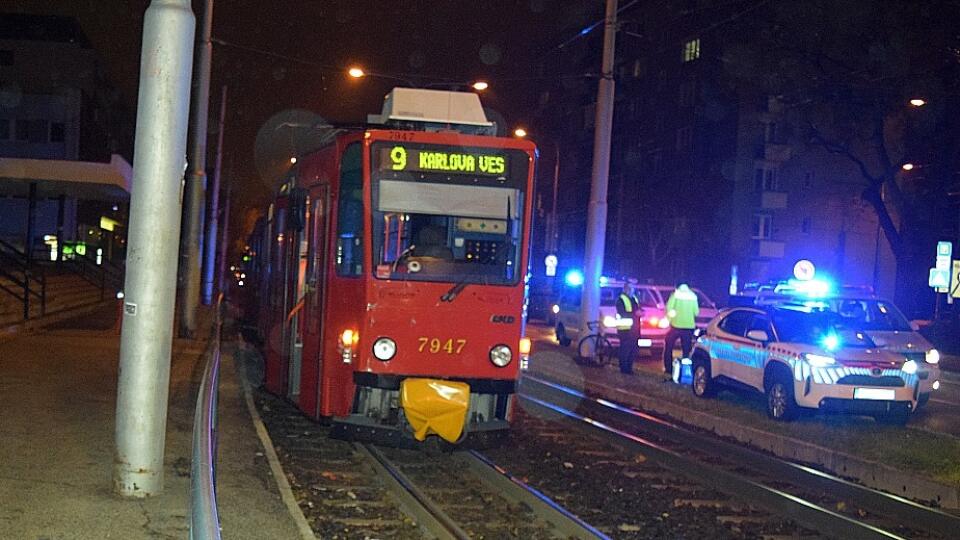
482	513
825	499
337	490
620	492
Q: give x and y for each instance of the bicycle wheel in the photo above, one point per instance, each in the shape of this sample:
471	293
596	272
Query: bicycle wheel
605	351
591	349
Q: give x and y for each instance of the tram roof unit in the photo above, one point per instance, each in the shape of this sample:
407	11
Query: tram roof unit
433	110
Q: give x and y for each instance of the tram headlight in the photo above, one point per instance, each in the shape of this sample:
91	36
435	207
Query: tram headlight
501	355
933	356
384	349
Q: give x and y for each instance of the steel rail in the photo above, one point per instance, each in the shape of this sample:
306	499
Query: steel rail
882	503
803	512
204	516
565	523
419	504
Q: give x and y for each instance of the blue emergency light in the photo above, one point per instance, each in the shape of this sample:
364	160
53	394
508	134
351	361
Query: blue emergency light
573	278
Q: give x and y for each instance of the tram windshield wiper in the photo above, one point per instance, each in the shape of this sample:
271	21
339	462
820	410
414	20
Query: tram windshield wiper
457	288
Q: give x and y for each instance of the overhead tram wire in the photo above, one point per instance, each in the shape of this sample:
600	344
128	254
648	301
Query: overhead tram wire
404	77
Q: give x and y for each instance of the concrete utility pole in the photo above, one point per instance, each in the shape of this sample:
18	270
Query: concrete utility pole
210	246
224	241
597	211
151	281
196	181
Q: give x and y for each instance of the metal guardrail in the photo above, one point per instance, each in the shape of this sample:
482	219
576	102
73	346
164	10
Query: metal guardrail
204	517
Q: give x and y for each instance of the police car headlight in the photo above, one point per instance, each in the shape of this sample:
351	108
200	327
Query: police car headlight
501	355
909	367
818	360
384	349
933	356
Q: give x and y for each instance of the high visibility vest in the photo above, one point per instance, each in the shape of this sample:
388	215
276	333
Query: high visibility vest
627	303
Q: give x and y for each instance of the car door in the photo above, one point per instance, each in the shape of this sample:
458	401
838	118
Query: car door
727	350
755	352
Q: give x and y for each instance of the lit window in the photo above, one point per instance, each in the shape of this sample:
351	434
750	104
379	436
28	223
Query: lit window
762	225
691	50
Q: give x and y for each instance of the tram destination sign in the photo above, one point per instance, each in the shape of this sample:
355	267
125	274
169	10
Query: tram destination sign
406	159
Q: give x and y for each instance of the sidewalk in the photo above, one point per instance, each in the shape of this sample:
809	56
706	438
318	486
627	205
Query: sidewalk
58	399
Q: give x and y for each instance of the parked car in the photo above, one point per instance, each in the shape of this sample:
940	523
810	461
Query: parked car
653	321
807	357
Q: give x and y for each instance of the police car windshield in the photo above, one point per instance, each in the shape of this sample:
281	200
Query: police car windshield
818	327
871	314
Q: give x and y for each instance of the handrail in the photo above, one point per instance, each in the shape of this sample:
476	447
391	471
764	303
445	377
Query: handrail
18	265
204	517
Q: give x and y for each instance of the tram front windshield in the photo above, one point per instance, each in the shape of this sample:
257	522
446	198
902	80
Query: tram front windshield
448	226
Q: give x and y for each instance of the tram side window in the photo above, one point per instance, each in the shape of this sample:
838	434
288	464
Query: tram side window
349	254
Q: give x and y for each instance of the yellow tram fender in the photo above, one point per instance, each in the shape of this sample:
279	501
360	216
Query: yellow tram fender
435	406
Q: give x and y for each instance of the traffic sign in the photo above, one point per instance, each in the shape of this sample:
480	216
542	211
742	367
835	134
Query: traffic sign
804	270
944	254
939	278
955	284
550	262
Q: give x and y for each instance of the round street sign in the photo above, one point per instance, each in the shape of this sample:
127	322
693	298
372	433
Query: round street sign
804	270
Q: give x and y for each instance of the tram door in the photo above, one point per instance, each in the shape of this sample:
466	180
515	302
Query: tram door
296	279
318	226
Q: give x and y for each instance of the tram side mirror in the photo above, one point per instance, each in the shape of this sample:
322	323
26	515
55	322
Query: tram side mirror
297	209
758	335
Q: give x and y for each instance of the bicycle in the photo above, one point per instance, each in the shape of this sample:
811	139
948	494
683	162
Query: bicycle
603	350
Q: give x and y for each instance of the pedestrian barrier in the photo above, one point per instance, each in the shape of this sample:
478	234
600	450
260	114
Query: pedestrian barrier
204	517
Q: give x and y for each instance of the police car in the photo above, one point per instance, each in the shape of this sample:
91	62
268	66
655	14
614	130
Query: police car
806	357
879	319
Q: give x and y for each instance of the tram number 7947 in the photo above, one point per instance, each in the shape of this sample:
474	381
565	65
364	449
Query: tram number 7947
437	345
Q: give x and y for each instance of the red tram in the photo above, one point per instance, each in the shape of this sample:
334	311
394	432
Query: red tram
391	274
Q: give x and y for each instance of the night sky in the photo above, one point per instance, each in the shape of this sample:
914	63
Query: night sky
287	55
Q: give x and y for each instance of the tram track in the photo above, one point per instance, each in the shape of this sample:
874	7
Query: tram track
463	495
358	491
816	501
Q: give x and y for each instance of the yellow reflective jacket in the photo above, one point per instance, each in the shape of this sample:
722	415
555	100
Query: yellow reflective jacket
683	308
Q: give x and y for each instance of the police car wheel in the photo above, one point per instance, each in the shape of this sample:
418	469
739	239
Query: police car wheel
702	386
781	404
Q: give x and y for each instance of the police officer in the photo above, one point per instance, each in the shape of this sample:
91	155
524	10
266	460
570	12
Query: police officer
627	308
682	311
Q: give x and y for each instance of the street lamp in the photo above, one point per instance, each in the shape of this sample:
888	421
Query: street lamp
520	132
907	166
357	72
917	102
293	160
